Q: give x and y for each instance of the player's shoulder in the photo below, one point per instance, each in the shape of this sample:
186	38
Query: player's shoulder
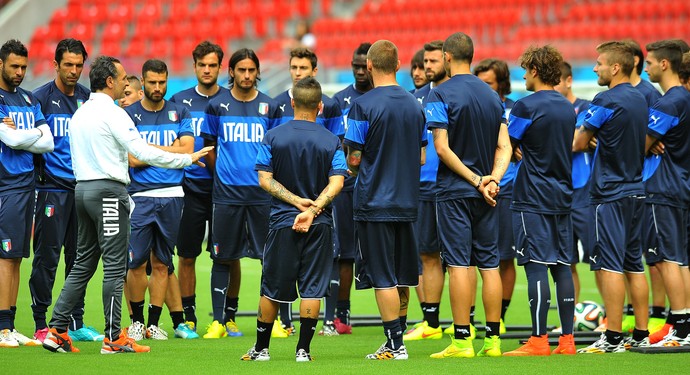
184	94
82	92
283	97
133	108
44	91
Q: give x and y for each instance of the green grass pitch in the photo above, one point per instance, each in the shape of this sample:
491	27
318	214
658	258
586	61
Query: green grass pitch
341	354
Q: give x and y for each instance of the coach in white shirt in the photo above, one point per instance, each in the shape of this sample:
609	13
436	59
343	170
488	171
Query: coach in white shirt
101	135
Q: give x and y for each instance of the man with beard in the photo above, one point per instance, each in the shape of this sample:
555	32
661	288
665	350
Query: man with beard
158	197
236	121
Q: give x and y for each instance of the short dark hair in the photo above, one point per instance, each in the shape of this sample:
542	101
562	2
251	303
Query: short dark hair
362	49
436	45
684	72
70	45
618	53
566	69
134	79
637	52
154	65
13	46
383	55
417	60
102	68
304	53
241	54
668	50
682	44
500	69
546	61
460	47
204	48
307	93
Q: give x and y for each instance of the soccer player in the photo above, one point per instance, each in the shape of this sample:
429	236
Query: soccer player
303	64
23	132
198	182
432	276
298	161
618	118
101	135
133	92
342	206
417	71
668	192
236	121
56	218
496	74
582	211
385	137
542	126
158	198
467	120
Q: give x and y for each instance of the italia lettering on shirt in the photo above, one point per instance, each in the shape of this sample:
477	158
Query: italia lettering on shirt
196	125
61	126
159	137
243	132
23	120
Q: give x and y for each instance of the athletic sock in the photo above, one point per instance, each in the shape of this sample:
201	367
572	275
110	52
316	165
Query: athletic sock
539	294
682	326
639	335
343	311
5	319
177	318
137	311
472	315
220	274
492	328
423	307
230	308
403	322
393	333
154	315
673	316
629	310
658	312
285	310
461	332
306	333
565	295
13	309
504	307
614	338
189	308
263	335
432	314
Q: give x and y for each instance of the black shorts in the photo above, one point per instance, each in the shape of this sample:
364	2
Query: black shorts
154	222
346	247
302	259
544	239
198	210
16	217
388	255
239	231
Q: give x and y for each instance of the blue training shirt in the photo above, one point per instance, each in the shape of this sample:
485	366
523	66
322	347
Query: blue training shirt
345	98
54	169
159	128
239	128
17	166
330	117
196	178
618	117
472	113
302	156
582	162
387	125
506	183
669	174
542	124
650	93
427	174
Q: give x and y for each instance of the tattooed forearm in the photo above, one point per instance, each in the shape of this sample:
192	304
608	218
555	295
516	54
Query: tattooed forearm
280	192
325	198
354	159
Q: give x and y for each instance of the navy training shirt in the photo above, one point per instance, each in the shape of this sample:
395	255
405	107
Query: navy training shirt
239	128
54	169
387	125
472	113
506	183
650	93
542	124
345	98
618	117
330	117
302	156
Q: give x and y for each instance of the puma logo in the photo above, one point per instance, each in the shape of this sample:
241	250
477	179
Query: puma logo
226	106
187	101
220	290
282	108
593	259
56	103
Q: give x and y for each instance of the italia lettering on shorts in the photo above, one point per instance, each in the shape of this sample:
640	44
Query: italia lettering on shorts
111	217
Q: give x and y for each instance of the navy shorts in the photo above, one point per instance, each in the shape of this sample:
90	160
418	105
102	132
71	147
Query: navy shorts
506	243
582	225
669	228
239	231
541	238
16	217
425	228
388	255
155	222
467	233
346	245
198	209
304	259
650	239
617	236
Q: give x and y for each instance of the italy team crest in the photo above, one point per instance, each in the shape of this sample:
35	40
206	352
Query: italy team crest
215	249
26	98
7	245
172	115
50	210
79	103
263	108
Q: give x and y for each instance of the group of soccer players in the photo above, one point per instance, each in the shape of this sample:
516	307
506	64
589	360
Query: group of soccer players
499	180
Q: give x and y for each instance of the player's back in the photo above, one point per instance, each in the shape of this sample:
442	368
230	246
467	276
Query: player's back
389	126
